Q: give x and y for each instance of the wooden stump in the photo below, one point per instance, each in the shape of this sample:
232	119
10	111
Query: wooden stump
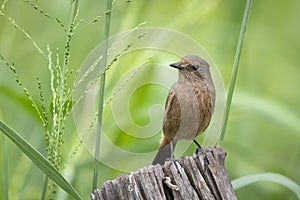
200	176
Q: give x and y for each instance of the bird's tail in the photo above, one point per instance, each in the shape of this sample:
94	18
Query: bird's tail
164	153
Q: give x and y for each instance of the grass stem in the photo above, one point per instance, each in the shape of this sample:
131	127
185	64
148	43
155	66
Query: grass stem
101	96
5	181
235	68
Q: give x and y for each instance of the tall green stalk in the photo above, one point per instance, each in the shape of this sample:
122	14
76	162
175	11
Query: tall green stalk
235	68
101	96
5	180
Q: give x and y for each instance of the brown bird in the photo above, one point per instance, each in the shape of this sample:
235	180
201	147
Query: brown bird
189	106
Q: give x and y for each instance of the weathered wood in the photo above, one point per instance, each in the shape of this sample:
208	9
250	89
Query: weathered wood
200	176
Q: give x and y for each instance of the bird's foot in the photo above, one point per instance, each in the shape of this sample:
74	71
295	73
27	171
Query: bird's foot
198	146
176	163
172	158
178	167
198	150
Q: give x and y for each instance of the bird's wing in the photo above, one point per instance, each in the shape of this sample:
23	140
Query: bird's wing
172	117
205	107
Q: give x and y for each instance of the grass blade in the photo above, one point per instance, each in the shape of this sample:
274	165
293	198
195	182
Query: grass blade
101	96
273	177
235	68
38	159
43	196
5	180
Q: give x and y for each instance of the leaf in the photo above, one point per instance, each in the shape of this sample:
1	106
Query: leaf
39	160
273	177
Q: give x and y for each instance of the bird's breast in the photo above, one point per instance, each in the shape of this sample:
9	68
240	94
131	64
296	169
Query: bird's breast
189	112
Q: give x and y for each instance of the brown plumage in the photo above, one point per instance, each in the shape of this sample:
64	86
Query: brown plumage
189	106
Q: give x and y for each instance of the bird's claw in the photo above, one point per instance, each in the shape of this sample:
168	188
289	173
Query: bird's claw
198	150
176	163
171	159
198	146
178	167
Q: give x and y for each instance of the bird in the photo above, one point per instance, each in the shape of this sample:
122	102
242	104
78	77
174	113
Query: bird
189	106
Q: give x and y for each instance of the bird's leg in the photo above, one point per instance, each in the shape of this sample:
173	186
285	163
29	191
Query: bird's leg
198	146
173	159
172	151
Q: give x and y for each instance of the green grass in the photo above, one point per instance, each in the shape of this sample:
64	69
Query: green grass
272	177
38	160
4	179
41	55
101	95
235	68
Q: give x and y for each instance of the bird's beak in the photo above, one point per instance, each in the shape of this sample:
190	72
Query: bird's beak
176	65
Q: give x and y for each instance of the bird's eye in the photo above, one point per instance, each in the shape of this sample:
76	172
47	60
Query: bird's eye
195	67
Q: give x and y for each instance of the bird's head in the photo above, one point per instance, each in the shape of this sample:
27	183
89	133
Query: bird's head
192	67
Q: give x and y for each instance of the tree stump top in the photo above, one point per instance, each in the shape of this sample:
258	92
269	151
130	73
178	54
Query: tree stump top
200	176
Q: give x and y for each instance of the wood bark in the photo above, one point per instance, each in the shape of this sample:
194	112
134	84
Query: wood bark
201	176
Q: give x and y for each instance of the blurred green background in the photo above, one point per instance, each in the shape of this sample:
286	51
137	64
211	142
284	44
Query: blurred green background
263	133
